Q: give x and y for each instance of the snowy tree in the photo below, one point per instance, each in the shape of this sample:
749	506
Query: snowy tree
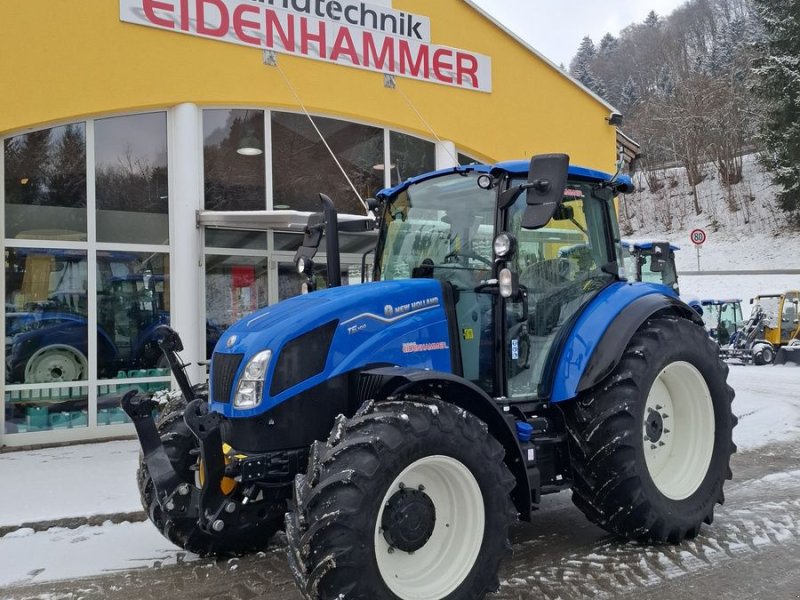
581	67
778	72
653	21
607	45
630	93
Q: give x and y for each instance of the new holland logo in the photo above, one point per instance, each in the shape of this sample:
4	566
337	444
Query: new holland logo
231	341
388	311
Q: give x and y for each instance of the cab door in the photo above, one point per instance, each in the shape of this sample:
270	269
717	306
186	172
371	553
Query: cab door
561	268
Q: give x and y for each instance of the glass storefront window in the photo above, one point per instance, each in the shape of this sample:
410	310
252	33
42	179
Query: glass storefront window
464	160
410	156
110	393
303	168
45	184
46	315
235	287
131	179
233	160
31	410
290	282
240	240
132	301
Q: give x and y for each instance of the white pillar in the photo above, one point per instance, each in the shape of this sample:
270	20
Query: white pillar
186	241
446	155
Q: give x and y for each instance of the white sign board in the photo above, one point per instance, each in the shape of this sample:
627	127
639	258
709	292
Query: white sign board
354	34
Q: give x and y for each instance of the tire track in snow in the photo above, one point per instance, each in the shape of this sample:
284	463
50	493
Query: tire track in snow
611	568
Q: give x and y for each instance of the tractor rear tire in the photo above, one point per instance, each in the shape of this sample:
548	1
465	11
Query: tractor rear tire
408	499
182	448
651	444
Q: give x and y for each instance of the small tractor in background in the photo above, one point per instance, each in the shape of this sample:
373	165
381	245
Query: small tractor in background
407	423
723	319
652	262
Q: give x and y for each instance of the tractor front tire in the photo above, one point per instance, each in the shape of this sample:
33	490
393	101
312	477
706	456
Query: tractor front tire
651	444
183	449
406	500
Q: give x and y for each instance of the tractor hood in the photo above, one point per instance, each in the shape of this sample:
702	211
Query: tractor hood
321	335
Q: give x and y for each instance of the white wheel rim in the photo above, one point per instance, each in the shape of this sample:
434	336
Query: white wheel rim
443	563
678	458
55	364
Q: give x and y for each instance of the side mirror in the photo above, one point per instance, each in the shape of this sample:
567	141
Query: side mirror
547	180
658	261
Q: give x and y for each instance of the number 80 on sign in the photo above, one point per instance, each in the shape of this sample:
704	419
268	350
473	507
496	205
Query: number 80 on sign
698	237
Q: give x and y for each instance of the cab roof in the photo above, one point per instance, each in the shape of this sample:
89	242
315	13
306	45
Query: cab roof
646	244
511	167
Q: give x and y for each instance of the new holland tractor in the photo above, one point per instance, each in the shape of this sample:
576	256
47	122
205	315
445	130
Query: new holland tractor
397	429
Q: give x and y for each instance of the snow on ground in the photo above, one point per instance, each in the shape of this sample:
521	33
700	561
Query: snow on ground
58	553
72	481
767	404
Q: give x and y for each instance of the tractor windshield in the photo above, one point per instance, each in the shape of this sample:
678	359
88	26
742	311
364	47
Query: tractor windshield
442	227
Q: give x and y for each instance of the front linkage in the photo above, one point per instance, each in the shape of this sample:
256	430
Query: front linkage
212	506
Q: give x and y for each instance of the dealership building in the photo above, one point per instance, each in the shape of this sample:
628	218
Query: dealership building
134	131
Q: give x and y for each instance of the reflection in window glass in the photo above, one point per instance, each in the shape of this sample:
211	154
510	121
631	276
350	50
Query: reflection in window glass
410	156
290	282
303	168
46	315
235	287
46	409
109	411
464	160
233	160
131	179
132	300
242	240
45	184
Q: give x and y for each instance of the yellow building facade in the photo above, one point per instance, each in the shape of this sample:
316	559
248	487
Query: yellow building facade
121	119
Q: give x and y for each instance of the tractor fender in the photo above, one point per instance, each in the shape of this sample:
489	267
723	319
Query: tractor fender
384	383
612	345
595	345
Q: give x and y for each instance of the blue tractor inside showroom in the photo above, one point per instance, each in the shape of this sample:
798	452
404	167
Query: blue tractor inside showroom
397	429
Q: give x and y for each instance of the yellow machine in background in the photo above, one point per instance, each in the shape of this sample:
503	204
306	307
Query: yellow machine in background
780	322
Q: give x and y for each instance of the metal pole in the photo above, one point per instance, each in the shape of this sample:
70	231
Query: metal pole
698	257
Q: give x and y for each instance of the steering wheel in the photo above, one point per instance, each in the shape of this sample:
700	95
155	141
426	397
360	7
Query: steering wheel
467	254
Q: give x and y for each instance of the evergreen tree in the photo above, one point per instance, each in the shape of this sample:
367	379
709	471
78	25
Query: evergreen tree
652	20
778	72
630	93
608	45
581	67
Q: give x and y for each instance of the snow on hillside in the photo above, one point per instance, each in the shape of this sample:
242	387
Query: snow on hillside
745	229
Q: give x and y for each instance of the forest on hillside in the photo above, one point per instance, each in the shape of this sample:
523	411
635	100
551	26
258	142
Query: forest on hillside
703	87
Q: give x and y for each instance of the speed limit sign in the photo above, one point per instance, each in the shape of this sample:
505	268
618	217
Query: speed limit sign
698	237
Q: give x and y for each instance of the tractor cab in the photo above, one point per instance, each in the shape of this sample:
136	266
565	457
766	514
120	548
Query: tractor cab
652	262
517	271
723	319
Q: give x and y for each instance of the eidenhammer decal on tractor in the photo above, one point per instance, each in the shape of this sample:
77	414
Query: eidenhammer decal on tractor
397	429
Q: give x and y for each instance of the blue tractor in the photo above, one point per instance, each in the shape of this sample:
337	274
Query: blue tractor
397	429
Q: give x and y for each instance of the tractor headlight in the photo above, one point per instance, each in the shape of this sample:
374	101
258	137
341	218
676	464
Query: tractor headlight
251	383
503	245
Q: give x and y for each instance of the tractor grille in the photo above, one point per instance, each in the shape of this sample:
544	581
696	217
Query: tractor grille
303	357
223	374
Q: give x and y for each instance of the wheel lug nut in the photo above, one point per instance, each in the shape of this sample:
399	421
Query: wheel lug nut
391	550
402	485
421	488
